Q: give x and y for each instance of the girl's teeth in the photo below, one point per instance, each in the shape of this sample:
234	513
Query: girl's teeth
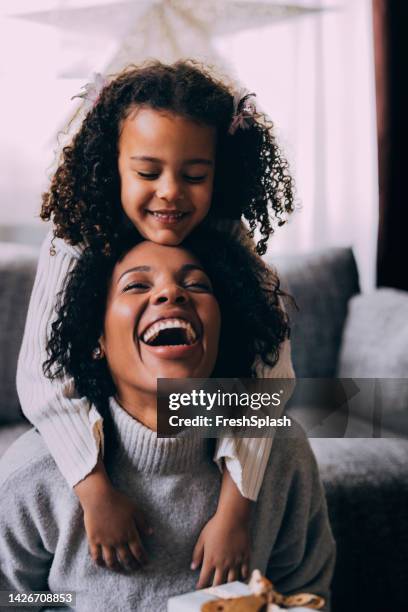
169	215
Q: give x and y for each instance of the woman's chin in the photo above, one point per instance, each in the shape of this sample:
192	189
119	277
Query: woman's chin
181	370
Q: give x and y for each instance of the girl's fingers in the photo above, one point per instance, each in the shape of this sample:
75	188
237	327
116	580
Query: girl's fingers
198	554
232	575
206	573
244	570
137	550
219	577
109	556
96	554
126	558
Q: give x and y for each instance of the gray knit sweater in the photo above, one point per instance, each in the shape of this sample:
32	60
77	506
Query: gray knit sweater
43	544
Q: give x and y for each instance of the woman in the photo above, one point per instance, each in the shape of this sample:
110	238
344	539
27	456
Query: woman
109	337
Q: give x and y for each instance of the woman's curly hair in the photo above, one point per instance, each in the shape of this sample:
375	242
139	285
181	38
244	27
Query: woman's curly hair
252	320
251	176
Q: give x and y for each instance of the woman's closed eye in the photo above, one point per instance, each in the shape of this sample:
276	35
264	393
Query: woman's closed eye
136	286
199	286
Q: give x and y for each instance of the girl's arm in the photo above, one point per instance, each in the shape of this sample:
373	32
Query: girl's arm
113	522
69	425
71	428
246	458
223	547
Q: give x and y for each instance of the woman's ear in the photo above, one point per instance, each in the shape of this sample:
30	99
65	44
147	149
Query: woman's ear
99	350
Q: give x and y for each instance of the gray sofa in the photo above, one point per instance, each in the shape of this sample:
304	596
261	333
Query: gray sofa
335	332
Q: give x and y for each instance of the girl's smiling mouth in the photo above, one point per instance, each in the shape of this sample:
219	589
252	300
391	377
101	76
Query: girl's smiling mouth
168	217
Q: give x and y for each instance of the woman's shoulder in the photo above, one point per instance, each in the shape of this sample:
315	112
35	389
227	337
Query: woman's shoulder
27	459
292	453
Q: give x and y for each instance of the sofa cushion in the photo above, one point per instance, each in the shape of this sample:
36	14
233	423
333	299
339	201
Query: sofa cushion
374	345
17	269
322	284
366	483
375	337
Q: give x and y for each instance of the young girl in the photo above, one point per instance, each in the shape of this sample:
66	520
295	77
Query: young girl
161	148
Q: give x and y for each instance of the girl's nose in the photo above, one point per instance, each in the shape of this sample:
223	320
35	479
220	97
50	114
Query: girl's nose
172	294
170	189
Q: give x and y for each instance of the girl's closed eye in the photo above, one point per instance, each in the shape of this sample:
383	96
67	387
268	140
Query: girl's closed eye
149	176
152	176
195	179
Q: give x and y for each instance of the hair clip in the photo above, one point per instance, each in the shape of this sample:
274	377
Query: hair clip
92	91
244	111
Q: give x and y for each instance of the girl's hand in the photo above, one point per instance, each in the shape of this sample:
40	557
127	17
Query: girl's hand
114	527
113	522
222	550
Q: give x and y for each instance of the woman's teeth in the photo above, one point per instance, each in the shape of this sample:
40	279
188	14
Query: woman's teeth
154	330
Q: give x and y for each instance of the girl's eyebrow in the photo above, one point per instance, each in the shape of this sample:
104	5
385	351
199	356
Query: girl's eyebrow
199	160
157	160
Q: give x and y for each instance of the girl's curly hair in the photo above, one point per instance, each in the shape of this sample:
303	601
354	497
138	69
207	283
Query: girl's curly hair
252	321
251	178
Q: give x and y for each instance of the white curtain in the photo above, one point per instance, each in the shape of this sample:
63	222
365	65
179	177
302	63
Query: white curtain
314	75
309	61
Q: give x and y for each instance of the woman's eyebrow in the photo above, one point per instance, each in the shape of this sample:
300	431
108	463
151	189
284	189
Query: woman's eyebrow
135	269
184	268
188	267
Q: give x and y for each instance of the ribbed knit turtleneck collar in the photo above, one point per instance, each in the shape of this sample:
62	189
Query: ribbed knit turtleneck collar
148	453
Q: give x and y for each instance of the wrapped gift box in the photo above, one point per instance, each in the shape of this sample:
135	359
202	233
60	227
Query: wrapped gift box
192	602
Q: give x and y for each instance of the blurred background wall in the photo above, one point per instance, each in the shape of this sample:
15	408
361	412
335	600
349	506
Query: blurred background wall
311	64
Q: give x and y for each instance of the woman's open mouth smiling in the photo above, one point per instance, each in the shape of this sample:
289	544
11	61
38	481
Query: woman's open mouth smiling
172	337
170	332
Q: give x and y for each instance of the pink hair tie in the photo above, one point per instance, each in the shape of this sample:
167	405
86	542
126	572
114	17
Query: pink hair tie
245	111
92	91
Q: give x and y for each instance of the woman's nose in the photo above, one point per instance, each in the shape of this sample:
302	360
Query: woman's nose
170	189
170	295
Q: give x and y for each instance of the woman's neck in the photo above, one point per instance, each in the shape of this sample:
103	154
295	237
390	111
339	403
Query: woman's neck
142	408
